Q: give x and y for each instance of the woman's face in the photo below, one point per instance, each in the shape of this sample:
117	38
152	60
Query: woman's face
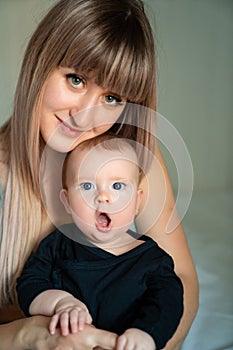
75	109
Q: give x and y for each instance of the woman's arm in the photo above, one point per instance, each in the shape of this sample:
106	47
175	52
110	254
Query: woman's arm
159	196
32	333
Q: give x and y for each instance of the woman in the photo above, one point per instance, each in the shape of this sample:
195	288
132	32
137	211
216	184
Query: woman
84	54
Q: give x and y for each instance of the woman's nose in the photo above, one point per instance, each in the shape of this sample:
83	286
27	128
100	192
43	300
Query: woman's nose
88	99
86	107
83	118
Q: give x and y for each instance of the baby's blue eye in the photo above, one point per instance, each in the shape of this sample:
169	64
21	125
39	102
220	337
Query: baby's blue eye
118	186
87	186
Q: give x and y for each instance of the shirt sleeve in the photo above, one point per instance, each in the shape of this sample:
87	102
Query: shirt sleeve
161	307
36	275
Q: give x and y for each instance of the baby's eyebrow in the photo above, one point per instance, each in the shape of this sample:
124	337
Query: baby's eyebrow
81	180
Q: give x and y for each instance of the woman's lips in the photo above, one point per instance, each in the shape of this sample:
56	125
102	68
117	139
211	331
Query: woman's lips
67	129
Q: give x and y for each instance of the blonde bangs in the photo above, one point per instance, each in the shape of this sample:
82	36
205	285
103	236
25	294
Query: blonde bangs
122	74
116	50
125	73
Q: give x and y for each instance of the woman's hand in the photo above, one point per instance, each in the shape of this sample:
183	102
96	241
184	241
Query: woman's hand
33	334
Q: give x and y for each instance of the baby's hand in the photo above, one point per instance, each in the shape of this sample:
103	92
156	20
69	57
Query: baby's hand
136	339
71	314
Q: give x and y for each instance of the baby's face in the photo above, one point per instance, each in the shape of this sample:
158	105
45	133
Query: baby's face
102	194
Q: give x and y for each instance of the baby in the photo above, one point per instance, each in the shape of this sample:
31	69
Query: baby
96	270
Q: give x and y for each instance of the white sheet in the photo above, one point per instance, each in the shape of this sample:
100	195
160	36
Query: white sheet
209	229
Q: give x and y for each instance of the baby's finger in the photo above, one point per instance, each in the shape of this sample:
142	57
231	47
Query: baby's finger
64	323
74	314
121	342
53	323
82	318
88	318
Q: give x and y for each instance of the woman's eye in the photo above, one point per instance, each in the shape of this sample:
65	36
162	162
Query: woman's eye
112	100
75	80
87	186
118	186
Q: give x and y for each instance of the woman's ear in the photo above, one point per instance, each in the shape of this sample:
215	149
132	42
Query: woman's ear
65	200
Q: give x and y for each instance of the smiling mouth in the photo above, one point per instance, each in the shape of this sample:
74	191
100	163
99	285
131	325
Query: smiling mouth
103	222
67	129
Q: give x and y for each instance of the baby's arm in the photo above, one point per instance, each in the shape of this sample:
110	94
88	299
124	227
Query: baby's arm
134	338
65	310
158	312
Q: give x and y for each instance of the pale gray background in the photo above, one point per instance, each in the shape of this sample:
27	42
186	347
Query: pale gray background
194	40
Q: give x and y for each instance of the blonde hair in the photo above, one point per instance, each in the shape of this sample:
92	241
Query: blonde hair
110	37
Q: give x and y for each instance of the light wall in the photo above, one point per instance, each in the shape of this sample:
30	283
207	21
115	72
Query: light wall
195	75
195	82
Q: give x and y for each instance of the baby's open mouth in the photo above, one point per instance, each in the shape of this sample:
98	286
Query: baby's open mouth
103	221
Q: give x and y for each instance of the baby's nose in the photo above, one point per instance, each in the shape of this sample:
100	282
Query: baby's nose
103	197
